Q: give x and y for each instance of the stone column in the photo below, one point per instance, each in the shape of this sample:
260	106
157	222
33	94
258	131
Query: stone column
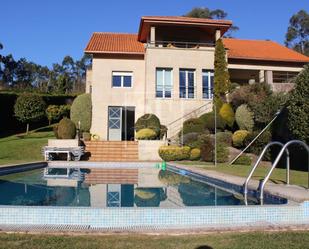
152	36
218	34
262	76
269	77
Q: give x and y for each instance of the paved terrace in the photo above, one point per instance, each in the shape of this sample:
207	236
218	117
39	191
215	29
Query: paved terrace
290	192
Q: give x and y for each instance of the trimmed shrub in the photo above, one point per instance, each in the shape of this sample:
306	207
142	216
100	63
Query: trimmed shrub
225	137
227	114
146	134
66	129
244	118
81	110
222	153
239	137
244	160
55	130
259	144
193	125
208	120
174	153
195	154
29	108
56	112
163	131
188	138
207	149
149	121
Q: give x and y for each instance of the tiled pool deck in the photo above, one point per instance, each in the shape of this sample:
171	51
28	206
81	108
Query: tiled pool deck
156	218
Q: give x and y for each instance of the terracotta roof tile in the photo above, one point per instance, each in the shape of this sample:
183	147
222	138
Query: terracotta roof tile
261	50
112	43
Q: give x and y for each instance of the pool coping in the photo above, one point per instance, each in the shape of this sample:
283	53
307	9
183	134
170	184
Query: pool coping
291	192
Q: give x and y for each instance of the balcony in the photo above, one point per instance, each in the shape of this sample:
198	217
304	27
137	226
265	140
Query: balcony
180	45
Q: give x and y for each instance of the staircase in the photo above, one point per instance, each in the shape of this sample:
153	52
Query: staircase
176	126
112	151
112	176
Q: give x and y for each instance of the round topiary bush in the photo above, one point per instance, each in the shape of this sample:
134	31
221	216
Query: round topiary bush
244	118
239	137
193	125
146	134
195	154
188	138
149	121
66	129
174	153
227	114
81	110
208	120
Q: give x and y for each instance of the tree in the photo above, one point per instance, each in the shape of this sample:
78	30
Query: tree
221	77
204	12
298	107
29	108
81	112
297	36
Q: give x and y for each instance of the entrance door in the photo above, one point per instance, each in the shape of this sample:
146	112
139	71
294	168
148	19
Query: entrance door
114	123
121	123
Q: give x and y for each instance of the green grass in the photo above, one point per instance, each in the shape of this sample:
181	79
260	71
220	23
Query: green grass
257	240
278	176
23	148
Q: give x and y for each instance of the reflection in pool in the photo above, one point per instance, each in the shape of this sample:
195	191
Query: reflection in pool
108	187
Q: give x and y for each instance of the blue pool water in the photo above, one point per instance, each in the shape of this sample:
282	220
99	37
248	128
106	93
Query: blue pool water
106	188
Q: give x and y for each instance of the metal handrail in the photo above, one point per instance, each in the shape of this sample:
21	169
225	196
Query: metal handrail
245	185
276	163
186	44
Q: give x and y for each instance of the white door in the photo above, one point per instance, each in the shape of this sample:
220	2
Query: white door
114	123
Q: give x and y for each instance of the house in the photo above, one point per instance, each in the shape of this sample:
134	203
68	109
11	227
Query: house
168	69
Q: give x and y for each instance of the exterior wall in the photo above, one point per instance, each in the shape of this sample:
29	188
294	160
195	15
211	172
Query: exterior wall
103	95
148	150
88	80
170	109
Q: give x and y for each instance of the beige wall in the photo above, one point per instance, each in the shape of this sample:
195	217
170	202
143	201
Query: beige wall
142	94
103	95
171	109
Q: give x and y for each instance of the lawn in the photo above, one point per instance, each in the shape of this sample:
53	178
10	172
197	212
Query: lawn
22	148
278	176
258	240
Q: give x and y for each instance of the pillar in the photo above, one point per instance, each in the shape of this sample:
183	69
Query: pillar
152	35
262	76
269	77
218	34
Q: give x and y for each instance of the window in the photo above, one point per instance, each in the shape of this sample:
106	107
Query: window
186	83
122	79
208	84
164	83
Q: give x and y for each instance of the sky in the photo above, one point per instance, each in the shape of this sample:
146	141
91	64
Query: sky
44	31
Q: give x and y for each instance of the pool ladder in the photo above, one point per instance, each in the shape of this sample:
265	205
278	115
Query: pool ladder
284	149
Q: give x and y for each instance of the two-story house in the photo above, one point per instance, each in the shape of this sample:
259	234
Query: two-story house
168	68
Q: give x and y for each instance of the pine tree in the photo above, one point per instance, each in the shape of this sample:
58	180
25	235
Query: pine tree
221	77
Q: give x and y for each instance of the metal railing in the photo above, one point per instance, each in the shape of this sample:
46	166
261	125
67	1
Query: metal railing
245	186
276	163
179	44
179	121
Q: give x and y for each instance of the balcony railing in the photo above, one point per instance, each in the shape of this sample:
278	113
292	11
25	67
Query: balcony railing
178	44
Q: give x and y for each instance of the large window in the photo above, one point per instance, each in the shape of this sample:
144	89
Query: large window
208	84
186	83
122	79
164	83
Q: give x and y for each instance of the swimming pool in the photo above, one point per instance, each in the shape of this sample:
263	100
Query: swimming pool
132	196
117	187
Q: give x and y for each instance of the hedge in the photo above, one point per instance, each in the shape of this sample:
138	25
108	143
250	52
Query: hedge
11	124
146	134
174	153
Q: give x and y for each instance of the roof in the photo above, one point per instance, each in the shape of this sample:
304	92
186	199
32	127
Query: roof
114	43
148	21
261	50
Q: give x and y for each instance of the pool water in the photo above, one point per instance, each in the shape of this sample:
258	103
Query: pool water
107	188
